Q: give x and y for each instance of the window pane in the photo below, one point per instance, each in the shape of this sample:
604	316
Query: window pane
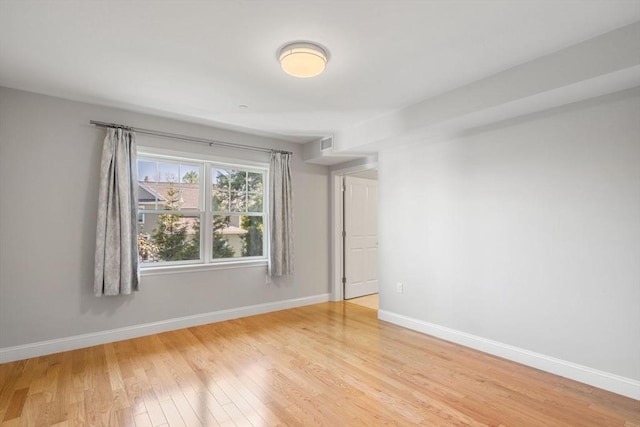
238	201
254	202
169	237
252	239
190	187
254	182
168	172
238	180
147	197
222	247
236	236
190	174
220	194
220	200
146	170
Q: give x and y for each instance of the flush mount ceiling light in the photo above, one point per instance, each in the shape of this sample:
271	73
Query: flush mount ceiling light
303	59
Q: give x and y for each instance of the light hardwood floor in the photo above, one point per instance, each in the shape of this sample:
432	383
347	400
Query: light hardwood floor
331	364
371	301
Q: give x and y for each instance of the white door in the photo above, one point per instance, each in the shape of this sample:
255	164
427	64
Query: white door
361	237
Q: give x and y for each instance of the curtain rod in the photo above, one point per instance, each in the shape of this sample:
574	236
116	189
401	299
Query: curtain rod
209	142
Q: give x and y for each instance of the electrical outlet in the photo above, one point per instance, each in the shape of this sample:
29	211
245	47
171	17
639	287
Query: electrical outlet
399	287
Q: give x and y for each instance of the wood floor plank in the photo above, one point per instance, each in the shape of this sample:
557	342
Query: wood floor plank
76	417
18	399
15	422
171	413
142	420
154	410
330	364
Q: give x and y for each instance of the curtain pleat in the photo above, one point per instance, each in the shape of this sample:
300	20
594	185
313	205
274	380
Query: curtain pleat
280	215
116	261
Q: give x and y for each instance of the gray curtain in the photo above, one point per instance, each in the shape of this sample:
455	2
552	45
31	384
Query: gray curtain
116	263
280	215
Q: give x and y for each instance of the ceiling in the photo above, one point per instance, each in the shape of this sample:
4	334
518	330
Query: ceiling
201	60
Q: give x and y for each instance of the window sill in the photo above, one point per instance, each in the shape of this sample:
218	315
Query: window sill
195	268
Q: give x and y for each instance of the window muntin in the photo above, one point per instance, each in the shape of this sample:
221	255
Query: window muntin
179	228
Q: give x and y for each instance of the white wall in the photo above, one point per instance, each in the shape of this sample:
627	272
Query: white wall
49	159
526	233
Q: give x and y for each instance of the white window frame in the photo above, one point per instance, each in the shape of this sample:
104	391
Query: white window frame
207	164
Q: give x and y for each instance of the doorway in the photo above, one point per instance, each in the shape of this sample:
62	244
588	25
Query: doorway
359	278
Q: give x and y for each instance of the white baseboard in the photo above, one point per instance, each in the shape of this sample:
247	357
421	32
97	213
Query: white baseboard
604	380
41	348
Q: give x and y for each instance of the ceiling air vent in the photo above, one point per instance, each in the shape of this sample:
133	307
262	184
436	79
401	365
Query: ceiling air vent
326	143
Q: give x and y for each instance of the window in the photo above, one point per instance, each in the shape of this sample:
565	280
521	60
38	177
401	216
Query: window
199	211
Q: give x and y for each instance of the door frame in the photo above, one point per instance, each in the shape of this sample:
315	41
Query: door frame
336	225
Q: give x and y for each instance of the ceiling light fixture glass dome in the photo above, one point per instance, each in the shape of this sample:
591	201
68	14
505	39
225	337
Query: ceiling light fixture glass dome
303	59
